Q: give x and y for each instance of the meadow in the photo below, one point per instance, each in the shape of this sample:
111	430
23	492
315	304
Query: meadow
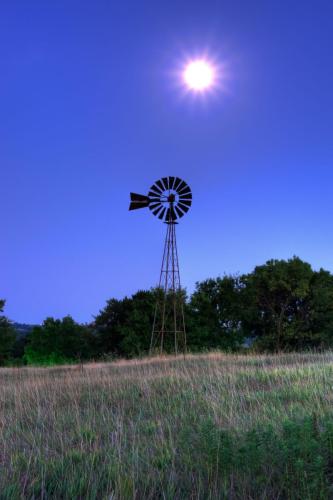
209	426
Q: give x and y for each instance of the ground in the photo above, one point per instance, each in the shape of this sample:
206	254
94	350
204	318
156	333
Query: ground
210	426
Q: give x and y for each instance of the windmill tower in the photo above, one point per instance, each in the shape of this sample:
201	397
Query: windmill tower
169	199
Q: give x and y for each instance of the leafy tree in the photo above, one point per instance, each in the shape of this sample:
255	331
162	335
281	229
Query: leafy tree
58	341
319	312
123	327
283	305
214	315
7	336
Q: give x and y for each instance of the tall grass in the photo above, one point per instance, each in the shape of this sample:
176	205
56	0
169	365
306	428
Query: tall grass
210	426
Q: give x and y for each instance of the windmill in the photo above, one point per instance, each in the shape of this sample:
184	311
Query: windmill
169	199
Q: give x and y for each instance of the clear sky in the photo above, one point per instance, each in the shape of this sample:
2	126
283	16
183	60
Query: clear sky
92	108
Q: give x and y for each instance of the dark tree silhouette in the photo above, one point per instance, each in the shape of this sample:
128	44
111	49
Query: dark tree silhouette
7	336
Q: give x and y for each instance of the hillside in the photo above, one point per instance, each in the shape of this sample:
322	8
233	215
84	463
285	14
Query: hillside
209	426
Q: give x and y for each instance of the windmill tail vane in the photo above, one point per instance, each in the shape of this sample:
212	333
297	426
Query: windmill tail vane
138	201
169	199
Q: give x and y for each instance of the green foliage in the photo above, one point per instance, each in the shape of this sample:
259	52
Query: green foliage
292	460
7	336
320	310
288	306
123	326
214	315
282	305
58	341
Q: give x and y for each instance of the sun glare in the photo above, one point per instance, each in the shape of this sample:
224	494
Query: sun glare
199	75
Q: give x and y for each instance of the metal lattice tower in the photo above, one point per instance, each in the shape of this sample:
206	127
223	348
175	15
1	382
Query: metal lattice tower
169	320
169	199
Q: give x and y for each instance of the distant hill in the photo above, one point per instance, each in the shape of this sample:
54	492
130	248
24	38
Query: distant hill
22	329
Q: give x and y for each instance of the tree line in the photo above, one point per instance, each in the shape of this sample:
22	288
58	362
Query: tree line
283	305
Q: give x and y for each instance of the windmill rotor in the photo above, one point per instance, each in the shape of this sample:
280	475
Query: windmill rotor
169	199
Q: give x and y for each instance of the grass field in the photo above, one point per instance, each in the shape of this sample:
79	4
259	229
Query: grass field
210	426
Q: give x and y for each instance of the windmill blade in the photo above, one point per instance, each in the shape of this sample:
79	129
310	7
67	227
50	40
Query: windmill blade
155	205
185	190
155	189
183	207
181	186
179	212
159	185
171	182
157	210
186	202
152	195
177	183
153	192
185	196
165	182
162	214
138	201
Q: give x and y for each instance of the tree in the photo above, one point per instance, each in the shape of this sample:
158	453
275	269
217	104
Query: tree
7	336
58	341
286	305
281	305
123	327
214	315
320	312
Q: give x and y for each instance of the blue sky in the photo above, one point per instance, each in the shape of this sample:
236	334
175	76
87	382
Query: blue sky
92	108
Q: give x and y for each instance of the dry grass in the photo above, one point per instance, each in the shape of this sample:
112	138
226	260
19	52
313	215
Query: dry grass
209	426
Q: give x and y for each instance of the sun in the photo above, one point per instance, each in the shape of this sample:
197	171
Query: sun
199	75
